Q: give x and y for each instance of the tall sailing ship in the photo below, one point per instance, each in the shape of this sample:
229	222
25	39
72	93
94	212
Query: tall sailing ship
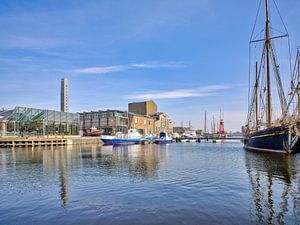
262	133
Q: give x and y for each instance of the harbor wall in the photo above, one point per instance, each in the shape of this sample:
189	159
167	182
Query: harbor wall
48	141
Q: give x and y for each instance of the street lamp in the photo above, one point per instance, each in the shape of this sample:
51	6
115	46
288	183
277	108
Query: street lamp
14	128
43	120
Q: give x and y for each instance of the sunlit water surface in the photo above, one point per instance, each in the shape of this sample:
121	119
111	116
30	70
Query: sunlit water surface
150	184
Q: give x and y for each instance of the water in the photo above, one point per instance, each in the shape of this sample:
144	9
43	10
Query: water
154	184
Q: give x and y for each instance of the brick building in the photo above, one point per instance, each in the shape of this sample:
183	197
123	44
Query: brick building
144	124
143	108
162	123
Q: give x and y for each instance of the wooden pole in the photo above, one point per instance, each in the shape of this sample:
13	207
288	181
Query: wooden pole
268	47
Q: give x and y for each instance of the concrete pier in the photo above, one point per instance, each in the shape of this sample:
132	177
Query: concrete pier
47	141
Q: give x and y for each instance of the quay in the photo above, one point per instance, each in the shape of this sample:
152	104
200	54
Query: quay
200	139
222	138
47	141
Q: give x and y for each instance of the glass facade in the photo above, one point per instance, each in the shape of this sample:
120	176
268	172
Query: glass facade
31	121
109	121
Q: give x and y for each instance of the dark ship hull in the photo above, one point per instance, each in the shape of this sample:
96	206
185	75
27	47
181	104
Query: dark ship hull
275	139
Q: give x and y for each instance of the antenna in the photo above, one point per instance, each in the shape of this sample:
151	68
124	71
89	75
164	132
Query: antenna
205	123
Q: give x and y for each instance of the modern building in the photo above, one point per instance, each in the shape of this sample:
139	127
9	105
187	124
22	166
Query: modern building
64	95
143	108
108	121
31	121
143	124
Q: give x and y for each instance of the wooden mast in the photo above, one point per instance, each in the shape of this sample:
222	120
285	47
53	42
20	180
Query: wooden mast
268	50
256	97
298	91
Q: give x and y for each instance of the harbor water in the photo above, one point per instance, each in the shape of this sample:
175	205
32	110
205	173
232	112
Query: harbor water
180	183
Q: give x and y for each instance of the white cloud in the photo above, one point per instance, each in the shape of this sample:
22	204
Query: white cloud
100	70
154	65
118	68
181	93
35	43
212	88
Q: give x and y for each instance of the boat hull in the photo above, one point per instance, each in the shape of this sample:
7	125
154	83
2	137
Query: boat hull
275	140
161	142
120	141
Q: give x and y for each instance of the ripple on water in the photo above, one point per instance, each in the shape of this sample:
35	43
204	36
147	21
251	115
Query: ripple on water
174	184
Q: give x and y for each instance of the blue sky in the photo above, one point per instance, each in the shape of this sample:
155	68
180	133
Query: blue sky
188	56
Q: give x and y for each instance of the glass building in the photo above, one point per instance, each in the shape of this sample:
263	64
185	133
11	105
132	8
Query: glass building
30	121
108	121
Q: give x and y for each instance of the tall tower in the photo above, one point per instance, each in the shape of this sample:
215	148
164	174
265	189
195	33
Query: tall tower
64	95
190	125
222	127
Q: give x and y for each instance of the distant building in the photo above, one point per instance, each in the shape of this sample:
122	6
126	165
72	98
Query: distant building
109	121
64	95
179	130
31	121
143	124
187	131
199	132
143	108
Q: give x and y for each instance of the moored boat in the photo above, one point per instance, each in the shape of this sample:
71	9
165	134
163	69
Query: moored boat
120	141
183	140
133	137
94	132
163	139
262	133
281	139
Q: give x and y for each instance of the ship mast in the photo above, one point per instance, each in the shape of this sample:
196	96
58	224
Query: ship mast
268	50
256	98
205	123
298	88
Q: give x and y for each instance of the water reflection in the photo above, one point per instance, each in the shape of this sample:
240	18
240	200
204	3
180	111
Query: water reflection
139	163
275	187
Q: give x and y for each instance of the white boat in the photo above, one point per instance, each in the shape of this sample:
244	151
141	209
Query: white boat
132	137
163	139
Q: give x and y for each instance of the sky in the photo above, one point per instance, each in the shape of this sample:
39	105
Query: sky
188	56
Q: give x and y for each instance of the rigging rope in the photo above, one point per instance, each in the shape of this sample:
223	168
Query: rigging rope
256	20
252	33
286	30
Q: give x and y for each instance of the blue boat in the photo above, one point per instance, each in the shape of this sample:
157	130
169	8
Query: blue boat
163	139
159	141
133	137
120	141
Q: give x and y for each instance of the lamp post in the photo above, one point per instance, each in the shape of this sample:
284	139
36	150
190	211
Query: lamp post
43	120
14	128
